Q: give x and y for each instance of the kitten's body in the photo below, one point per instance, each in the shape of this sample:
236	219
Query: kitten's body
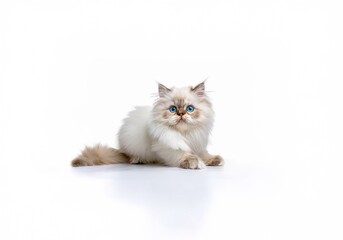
134	137
155	134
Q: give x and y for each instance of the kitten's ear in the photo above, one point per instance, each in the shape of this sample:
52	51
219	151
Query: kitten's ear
162	90
199	89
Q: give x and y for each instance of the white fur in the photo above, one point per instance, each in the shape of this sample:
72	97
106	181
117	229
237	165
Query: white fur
146	136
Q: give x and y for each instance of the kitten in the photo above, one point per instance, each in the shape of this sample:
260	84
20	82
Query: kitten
173	132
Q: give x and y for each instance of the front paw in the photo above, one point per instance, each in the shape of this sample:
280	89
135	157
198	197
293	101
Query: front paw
215	161
191	161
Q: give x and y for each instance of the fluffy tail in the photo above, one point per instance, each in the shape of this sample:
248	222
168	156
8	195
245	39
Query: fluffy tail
99	155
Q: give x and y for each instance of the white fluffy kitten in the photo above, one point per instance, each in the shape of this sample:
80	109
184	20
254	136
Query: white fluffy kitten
173	132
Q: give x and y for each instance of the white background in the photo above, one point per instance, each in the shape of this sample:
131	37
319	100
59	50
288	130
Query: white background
71	70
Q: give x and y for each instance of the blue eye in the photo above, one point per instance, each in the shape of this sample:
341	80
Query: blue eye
172	109
190	108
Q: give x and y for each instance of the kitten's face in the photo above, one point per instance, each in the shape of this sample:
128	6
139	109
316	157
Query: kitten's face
183	108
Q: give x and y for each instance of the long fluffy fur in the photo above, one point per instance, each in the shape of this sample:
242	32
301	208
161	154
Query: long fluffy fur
99	155
154	134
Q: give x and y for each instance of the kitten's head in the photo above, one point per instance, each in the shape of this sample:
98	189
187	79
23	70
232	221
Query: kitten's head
183	108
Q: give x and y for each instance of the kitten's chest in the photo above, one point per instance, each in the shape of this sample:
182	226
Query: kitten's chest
197	142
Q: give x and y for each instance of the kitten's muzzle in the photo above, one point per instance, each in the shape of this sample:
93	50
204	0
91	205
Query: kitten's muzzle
181	119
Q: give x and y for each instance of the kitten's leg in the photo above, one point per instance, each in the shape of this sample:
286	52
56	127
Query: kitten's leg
191	161
213	160
136	160
178	158
141	160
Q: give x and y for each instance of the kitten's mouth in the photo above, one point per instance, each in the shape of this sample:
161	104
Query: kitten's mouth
181	120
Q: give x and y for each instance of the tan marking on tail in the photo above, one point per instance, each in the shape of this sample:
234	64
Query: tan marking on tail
99	155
